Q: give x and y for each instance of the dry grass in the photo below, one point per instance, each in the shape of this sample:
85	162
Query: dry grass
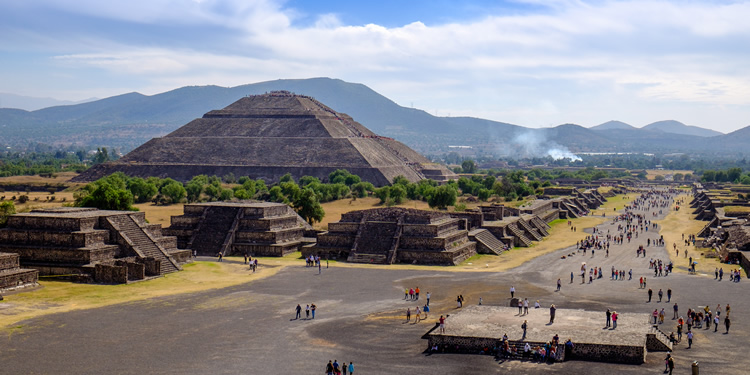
335	209
652	173
60	177
61	296
39	199
160	214
673	227
737	209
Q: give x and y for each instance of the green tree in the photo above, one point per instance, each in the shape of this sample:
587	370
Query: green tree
7	208
383	193
143	191
397	193
241	193
226	194
194	190
400	180
444	196
286	178
105	196
308	207
659	178
276	195
174	191
733	174
468	166
678	176
101	156
484	194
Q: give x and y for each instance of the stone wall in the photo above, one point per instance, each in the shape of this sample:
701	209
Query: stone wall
742	258
111	274
635	355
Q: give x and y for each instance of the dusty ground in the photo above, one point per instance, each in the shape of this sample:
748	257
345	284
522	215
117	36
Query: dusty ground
249	328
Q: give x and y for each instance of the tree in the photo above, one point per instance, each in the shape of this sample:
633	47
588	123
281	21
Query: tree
226	194
286	178
397	193
174	191
106	197
383	193
241	193
194	190
308	206
143	191
101	156
444	196
733	174
484	194
213	191
659	178
400	180
7	208
468	166
678	177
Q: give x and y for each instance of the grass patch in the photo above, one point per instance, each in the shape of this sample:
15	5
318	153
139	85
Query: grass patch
60	296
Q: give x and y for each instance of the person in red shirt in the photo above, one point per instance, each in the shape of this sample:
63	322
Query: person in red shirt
442	324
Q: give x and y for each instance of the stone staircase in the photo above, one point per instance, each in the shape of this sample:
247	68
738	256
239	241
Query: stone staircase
210	237
141	242
487	240
541	225
520	236
226	246
529	230
658	341
706	231
376	244
396	239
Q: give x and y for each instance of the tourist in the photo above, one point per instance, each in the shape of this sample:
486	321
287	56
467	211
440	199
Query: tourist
523	327
537	305
408	314
344	368
512	291
406	293
690	339
661	316
559	284
660	294
727	323
520	307
670	364
716	321
609	318
442	324
418	315
416	293
426	309
614	319
299	312
312	308
335	366
411	294
552	313
428	298
220	255
329	368
307	312
245	259
351	368
650	292
525	306
675	309
669	295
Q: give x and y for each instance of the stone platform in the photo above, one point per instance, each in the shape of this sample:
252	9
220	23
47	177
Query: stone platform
475	327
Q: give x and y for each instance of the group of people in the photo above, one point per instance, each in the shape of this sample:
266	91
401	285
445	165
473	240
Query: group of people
335	368
412	294
309	309
418	313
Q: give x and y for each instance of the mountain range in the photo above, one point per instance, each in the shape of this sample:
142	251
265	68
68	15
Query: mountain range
128	120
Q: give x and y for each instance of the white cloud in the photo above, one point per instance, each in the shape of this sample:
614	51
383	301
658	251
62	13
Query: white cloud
536	68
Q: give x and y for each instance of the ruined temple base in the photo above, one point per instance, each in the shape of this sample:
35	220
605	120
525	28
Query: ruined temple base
473	328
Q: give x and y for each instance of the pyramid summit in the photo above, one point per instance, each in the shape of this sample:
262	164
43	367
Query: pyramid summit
266	136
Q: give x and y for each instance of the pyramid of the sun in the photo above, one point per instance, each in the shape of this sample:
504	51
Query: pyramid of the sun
266	136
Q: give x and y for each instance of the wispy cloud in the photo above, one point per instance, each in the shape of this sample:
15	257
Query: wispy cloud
536	66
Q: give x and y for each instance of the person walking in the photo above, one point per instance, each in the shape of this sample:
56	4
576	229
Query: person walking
307	312
329	368
670	364
727	323
660	294
299	312
525	306
690	339
523	327
675	308
512	291
351	368
716	322
312	308
669	295
408	314
650	293
559	284
428	298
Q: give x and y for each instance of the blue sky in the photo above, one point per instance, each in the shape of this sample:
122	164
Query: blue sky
530	62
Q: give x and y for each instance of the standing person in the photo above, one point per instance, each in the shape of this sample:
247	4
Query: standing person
299	312
221	256
351	368
609	318
675	308
650	292
523	327
313	308
418	315
307	312
408	314
690	339
428	298
614	319
552	310
320	269
670	364
512	291
344	368
426	309
416	293
669	295
559	284
716	322
571	277
660	294
727	323
245	259
442	324
329	368
525	306
520	307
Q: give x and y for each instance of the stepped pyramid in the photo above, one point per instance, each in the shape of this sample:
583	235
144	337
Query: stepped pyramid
266	136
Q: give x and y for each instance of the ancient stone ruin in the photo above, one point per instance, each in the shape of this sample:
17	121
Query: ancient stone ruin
91	245
267	136
12	276
239	228
389	235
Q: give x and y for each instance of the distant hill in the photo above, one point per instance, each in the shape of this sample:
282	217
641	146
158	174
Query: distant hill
129	120
612	125
676	127
29	103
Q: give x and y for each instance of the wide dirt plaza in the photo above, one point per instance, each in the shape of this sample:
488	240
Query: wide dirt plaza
250	328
